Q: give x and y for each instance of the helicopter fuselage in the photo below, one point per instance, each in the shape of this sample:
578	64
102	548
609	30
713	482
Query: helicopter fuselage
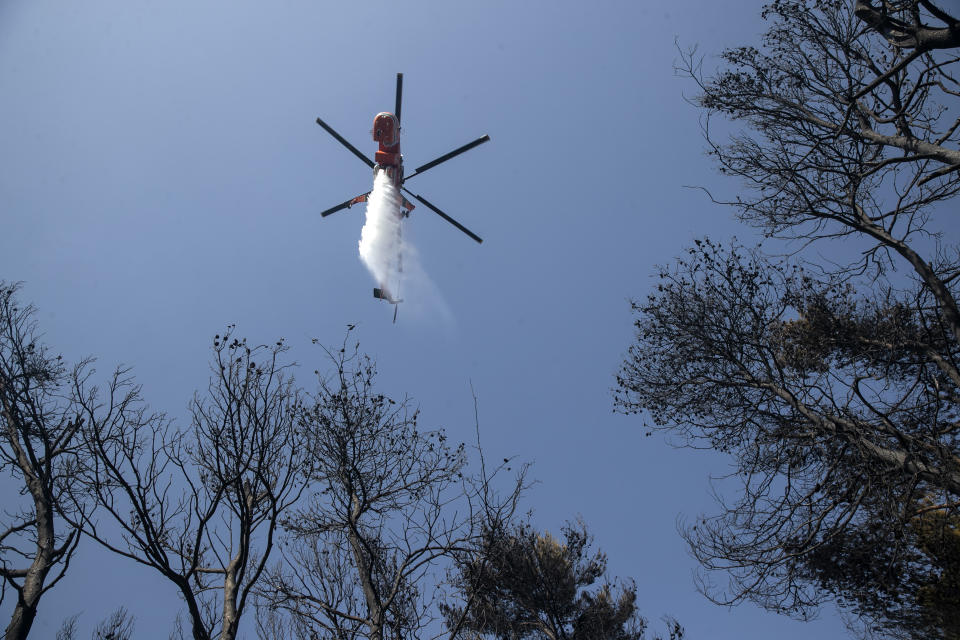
386	131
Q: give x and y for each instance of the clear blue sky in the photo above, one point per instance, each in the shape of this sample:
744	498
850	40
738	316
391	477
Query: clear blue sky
161	175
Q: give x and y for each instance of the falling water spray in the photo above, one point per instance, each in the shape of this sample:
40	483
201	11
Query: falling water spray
392	261
381	245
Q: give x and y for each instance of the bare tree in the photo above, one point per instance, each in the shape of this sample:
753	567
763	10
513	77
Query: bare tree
118	625
68	630
201	506
392	502
40	435
835	387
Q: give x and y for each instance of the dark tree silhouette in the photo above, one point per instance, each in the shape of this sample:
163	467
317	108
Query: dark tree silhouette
118	625
835	387
527	585
392	503
201	506
41	426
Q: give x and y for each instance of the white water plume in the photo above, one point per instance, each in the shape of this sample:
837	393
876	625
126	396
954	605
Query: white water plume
381	245
392	261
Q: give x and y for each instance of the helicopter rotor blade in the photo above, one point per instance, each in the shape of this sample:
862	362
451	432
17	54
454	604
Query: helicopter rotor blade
343	205
448	156
399	95
343	141
440	213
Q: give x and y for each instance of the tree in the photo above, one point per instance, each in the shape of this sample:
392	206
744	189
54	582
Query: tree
831	433
118	625
201	506
392	502
903	25
523	584
40	437
917	585
834	386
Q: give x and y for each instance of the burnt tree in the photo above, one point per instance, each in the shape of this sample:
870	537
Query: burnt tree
41	424
392	505
201	505
834	384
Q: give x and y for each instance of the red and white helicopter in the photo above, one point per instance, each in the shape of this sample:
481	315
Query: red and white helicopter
386	131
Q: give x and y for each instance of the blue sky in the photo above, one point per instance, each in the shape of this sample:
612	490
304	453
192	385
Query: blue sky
161	176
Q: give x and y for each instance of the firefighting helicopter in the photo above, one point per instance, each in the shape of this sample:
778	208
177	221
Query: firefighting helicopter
386	131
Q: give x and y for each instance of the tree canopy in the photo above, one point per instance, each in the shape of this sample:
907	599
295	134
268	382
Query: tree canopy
832	383
525	584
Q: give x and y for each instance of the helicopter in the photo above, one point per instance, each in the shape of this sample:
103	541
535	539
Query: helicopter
388	159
